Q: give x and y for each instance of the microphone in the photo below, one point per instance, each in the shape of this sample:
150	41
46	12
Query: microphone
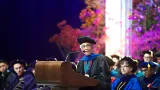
69	54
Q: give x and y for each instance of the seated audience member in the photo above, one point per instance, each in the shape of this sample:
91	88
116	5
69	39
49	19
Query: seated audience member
147	56
139	72
151	80
4	74
115	72
22	80
128	80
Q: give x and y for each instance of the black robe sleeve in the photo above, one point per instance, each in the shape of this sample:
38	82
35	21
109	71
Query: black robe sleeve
105	81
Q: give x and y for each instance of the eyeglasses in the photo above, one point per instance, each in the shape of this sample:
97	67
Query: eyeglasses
83	46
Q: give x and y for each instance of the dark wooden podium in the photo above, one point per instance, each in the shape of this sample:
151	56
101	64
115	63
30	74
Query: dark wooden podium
60	74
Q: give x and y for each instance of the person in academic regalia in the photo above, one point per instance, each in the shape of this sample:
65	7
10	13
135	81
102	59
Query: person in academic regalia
4	73
21	80
116	70
128	80
93	65
147	56
151	80
139	73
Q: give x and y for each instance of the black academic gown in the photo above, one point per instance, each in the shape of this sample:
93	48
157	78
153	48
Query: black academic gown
3	79
98	70
24	82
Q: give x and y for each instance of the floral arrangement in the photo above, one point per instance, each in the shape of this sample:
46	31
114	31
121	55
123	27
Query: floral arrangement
145	28
92	18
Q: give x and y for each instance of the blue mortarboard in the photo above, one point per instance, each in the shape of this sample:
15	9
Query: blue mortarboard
84	39
147	65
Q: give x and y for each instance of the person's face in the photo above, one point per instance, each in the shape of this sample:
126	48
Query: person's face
86	48
115	60
125	68
147	57
3	67
18	68
158	60
147	72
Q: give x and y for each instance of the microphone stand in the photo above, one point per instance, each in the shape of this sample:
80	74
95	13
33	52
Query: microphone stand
66	60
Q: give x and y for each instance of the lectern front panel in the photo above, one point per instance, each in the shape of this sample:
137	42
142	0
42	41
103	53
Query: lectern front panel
48	72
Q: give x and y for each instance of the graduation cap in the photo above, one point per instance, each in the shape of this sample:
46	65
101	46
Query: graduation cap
157	54
147	65
20	62
115	56
84	39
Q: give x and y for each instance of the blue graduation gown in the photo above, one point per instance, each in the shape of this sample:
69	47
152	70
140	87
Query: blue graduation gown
132	83
152	83
156	84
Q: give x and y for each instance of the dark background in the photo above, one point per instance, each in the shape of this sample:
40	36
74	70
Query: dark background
27	25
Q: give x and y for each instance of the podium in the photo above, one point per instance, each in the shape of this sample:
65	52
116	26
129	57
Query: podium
59	74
